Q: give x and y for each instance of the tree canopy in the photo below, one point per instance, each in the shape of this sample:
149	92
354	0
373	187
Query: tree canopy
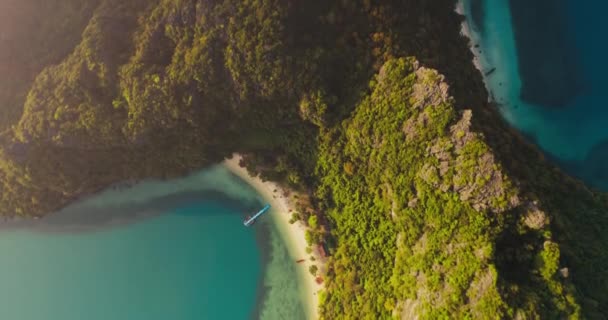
434	206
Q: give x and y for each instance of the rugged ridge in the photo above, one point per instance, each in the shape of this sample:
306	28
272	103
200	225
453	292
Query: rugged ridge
430	205
419	203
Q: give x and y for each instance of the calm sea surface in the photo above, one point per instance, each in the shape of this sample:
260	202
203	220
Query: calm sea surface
159	250
550	75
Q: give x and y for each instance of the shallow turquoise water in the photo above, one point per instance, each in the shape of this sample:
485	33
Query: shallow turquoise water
574	135
191	264
160	250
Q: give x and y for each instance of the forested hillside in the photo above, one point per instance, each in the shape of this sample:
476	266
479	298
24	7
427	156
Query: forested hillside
31	39
436	208
419	204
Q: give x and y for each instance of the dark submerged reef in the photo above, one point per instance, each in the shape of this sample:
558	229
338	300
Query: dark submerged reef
429	203
477	14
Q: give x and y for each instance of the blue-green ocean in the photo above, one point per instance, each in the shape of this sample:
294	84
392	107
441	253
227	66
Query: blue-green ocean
177	249
546	67
156	250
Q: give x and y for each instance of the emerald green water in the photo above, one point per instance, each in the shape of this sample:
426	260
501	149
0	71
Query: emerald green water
159	250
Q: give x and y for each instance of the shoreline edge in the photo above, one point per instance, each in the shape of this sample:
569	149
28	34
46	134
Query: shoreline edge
292	234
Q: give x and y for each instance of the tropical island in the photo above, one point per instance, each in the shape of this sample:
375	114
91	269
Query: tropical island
427	203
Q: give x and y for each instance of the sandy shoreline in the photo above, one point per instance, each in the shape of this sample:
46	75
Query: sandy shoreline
293	234
466	31
478	60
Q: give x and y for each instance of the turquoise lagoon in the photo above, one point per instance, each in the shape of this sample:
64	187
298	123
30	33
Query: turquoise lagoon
156	250
558	47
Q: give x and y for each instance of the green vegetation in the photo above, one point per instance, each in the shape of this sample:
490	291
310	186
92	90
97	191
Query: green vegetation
426	201
423	213
31	40
313	270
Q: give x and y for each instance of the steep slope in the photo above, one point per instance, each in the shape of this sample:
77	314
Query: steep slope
30	40
436	206
418	203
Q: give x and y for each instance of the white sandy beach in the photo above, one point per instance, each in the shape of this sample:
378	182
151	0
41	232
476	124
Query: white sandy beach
466	31
292	233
